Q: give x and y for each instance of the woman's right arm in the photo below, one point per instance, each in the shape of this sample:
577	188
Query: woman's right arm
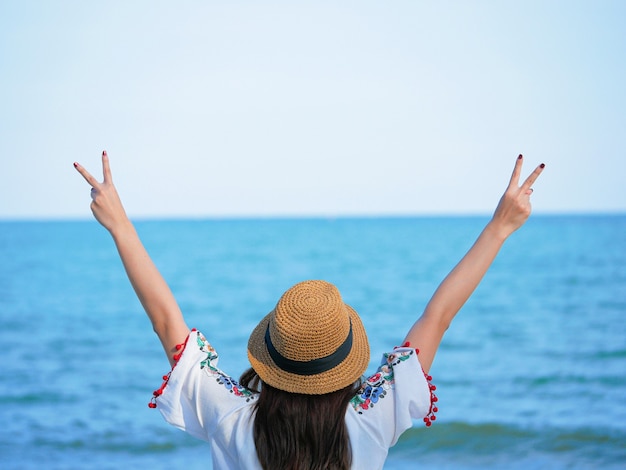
512	211
151	289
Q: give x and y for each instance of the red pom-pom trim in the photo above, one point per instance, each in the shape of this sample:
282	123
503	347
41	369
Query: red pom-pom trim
166	378
430	416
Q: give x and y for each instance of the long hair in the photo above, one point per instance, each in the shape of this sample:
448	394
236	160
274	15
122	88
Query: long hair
294	431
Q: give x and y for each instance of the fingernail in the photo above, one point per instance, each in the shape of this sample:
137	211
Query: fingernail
520	156
75	165
104	153
542	165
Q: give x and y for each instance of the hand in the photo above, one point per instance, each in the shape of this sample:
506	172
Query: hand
514	206
106	205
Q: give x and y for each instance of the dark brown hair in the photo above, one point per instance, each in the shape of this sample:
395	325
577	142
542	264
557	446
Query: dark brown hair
294	431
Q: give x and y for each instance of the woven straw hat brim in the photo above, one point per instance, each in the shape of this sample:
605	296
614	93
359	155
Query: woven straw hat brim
342	375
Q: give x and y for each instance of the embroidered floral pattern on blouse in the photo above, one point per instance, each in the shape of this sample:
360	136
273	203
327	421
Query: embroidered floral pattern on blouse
228	382
231	385
211	354
375	387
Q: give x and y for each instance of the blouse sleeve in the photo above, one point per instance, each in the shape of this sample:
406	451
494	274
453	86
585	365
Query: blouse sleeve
196	395
398	393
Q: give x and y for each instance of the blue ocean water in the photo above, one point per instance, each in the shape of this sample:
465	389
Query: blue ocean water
531	374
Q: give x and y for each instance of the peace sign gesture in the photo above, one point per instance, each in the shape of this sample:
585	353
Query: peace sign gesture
106	205
514	206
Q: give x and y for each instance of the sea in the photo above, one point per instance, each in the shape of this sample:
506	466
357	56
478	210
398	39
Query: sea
531	373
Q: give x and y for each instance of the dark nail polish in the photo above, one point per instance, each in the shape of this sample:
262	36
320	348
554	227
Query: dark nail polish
75	165
542	165
520	156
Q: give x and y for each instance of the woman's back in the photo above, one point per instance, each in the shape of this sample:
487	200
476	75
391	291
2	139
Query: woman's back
204	401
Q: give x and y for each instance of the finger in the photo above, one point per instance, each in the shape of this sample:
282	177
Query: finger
532	177
517	170
90	179
106	169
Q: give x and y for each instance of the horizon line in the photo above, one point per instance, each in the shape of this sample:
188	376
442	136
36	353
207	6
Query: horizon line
314	216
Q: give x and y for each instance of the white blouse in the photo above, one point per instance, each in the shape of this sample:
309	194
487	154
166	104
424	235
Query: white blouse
200	399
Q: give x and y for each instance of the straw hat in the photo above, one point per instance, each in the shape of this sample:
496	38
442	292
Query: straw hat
311	343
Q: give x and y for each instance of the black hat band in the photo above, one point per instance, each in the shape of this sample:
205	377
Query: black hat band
314	366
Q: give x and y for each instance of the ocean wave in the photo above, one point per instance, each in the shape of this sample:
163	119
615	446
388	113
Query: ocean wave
571	379
490	445
615	354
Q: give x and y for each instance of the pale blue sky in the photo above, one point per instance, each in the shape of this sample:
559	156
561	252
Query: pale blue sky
313	108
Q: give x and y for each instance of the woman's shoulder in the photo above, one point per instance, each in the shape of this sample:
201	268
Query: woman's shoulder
398	392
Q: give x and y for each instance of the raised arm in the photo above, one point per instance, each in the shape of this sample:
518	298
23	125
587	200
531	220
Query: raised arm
510	214
150	287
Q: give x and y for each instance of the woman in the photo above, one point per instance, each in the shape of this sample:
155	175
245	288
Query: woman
303	404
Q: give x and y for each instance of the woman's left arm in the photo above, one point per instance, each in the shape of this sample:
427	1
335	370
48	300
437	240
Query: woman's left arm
151	289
